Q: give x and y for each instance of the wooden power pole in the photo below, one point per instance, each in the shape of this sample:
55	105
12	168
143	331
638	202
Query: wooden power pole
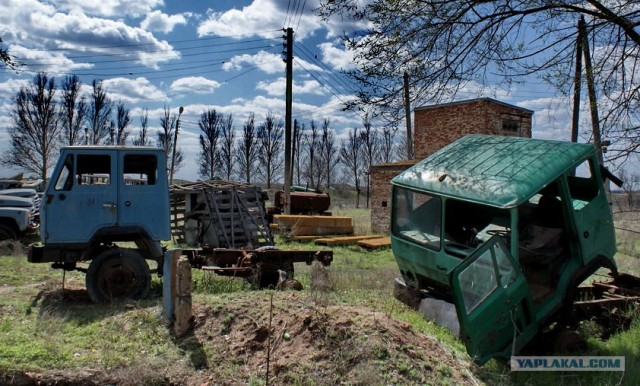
287	128
407	113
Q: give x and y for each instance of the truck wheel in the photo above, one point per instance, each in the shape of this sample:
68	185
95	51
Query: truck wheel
118	274
6	233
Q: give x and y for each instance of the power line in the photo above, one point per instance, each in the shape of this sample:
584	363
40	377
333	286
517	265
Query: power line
312	57
153	44
166	57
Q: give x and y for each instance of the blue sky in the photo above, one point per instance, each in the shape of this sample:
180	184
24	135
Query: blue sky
225	55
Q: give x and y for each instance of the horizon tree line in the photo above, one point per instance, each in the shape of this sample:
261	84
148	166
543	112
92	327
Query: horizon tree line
42	122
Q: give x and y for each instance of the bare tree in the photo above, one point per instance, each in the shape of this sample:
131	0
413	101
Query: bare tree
73	109
351	158
630	187
313	170
328	152
447	45
35	127
387	144
209	123
298	136
123	120
247	151
165	138
99	114
227	159
370	150
6	58
142	139
270	136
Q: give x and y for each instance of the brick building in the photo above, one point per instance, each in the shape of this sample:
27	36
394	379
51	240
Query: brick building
437	126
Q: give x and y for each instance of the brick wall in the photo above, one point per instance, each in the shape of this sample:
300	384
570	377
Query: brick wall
381	175
434	128
439	125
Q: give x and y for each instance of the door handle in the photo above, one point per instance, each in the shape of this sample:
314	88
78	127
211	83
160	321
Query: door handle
108	205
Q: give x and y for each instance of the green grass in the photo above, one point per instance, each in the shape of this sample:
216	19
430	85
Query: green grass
39	332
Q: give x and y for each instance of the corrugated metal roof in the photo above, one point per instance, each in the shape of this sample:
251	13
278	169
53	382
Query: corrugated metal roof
495	170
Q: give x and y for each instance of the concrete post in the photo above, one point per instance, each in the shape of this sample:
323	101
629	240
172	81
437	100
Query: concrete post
176	292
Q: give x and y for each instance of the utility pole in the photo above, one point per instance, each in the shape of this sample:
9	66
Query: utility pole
407	113
577	83
175	145
591	88
287	129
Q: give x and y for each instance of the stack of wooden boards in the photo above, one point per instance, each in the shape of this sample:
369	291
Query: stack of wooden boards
318	229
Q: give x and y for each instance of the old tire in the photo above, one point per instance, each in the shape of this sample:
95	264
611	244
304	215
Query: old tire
6	233
118	274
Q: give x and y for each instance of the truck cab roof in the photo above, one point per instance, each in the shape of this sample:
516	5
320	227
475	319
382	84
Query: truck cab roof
497	171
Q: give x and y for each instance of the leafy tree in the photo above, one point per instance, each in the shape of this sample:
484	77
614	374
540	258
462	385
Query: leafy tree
73	110
247	150
270	138
351	158
100	107
123	119
165	139
142	139
35	127
209	123
227	159
446	45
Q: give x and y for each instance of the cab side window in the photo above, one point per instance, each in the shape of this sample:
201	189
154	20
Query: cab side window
140	169
64	182
583	185
93	170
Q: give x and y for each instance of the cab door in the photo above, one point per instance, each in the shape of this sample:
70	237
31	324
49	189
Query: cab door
143	201
81	198
493	303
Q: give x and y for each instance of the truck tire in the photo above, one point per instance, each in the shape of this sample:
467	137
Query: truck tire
118	274
6	233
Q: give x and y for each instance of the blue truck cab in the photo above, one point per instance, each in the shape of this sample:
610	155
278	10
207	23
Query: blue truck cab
97	197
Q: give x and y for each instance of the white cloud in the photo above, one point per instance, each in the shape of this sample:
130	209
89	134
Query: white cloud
132	90
339	59
38	26
51	62
10	87
278	87
156	21
195	84
267	62
111	8
262	18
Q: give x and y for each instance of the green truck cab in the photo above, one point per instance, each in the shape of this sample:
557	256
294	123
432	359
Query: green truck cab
502	230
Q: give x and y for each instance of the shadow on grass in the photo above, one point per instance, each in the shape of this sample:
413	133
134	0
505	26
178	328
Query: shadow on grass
74	304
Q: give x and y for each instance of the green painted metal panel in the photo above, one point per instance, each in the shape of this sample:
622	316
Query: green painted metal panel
493	170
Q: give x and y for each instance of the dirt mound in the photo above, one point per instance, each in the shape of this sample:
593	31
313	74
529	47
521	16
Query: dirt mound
307	344
295	337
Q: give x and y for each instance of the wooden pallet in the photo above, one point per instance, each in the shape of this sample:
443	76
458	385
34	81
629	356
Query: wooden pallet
237	211
240	217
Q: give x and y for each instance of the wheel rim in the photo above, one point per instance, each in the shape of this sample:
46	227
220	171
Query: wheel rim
117	279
